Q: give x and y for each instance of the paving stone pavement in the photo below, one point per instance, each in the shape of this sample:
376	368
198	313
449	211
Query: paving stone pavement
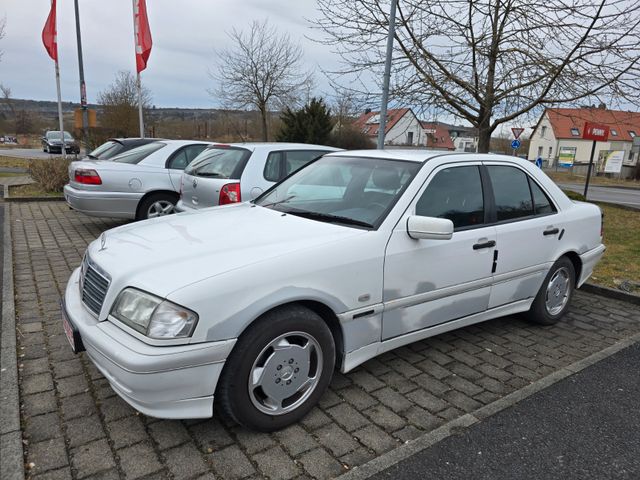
76	427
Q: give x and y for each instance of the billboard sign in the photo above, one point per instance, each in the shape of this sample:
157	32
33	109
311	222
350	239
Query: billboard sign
595	132
613	161
566	156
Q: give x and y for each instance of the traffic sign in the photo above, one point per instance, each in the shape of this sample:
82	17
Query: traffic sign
515	144
517	132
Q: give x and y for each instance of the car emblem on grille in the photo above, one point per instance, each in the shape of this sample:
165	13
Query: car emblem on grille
103	242
195	182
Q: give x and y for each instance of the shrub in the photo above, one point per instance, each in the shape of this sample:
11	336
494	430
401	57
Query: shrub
51	175
350	138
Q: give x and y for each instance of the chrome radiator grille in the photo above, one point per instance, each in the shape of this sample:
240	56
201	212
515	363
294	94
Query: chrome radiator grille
93	286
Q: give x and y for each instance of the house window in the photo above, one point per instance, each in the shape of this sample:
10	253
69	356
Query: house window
409	138
575	132
550	151
632	133
540	152
614	132
543	131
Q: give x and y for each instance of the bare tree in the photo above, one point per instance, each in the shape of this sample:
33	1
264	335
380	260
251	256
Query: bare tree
120	105
263	70
491	61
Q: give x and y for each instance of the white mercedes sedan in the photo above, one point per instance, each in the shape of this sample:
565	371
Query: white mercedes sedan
252	305
138	184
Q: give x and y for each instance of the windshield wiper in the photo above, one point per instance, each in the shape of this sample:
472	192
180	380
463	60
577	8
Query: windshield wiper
327	217
284	200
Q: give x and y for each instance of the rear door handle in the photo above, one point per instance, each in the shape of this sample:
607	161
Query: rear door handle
551	231
487	244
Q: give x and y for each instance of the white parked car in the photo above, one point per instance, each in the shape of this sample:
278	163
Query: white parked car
254	304
224	174
140	183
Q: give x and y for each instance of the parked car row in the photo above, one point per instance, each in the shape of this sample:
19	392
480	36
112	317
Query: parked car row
150	180
251	306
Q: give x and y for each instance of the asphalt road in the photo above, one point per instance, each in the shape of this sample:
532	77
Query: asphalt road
621	196
26	153
583	427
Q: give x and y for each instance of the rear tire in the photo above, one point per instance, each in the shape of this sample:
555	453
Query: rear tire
278	369
554	296
156	205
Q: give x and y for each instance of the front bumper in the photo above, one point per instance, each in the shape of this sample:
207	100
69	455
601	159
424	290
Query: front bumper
103	204
164	382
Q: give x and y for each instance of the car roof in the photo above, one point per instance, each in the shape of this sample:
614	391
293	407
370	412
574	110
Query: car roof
423	155
276	145
134	140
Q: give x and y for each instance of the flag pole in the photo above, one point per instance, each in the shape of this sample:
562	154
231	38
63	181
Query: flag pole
60	121
139	85
136	29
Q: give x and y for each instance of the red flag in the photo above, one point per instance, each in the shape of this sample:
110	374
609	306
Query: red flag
142	34
49	33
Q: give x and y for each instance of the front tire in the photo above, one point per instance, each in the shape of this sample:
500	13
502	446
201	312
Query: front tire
554	296
156	205
278	370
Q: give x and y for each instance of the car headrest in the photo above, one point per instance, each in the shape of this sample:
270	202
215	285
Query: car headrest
386	178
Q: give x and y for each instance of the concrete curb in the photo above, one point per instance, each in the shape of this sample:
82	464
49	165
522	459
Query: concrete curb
7	198
611	293
413	447
11	454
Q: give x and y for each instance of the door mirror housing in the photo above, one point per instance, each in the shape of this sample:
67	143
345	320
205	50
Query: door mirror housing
432	228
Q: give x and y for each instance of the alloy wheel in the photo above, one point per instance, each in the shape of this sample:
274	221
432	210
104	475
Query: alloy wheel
558	291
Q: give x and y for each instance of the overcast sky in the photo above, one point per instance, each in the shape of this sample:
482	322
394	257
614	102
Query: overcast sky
185	36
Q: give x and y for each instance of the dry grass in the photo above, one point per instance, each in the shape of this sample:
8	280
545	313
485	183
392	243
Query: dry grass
13	162
566	177
621	261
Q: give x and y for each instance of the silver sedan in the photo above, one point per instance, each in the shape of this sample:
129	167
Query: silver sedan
138	184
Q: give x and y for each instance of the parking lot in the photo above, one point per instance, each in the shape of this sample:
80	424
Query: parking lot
76	427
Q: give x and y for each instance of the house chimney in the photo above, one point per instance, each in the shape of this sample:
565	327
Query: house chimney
367	110
602	106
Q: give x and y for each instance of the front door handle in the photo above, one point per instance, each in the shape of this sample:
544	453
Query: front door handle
551	231
487	244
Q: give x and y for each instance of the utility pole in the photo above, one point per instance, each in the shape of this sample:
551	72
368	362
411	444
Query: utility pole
83	87
387	75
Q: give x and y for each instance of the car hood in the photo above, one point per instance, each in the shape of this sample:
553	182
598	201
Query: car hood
168	253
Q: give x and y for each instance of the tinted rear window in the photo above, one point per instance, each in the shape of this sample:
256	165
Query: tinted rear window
219	162
138	154
107	150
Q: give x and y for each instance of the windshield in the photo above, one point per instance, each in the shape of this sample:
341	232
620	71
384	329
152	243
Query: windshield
136	155
106	150
54	135
351	191
219	162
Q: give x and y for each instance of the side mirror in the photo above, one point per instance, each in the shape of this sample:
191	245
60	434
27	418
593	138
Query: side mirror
432	228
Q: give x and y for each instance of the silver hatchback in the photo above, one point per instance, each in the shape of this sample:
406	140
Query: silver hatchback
224	174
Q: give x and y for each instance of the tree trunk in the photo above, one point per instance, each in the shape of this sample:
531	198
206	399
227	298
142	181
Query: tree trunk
484	133
265	128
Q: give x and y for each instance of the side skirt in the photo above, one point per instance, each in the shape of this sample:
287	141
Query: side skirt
361	355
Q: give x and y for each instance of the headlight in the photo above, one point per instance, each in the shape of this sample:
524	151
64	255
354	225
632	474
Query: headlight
153	316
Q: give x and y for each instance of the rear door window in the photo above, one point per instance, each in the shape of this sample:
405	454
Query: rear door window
541	203
185	156
454	193
511	192
218	162
138	154
282	164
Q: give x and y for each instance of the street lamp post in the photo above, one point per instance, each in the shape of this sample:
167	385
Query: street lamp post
83	88
387	74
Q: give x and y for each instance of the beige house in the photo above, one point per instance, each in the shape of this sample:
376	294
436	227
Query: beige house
557	137
402	128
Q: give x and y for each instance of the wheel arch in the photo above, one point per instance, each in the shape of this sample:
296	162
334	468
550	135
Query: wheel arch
324	311
576	261
148	194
